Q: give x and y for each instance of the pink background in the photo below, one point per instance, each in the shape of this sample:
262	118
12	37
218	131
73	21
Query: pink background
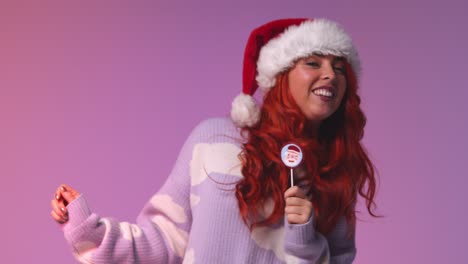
101	95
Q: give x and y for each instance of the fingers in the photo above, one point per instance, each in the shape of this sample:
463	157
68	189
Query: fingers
63	196
299	214
67	188
58	208
59	213
67	193
294	210
297	219
68	197
57	194
304	208
57	218
295	201
294	191
295	196
298	208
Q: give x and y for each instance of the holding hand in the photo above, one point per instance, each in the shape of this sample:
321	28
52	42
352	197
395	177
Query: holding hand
63	196
298	208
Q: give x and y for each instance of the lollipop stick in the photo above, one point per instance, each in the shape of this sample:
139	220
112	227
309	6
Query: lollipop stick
292	178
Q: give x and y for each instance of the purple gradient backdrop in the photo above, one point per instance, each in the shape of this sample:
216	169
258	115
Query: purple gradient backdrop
102	96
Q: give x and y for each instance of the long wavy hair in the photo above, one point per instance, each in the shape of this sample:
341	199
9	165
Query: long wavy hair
336	164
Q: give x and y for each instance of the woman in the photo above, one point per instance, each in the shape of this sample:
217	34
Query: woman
229	197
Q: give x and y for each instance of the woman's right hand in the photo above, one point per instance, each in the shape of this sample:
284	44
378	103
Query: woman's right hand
63	196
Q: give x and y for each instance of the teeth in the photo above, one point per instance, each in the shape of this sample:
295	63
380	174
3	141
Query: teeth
323	92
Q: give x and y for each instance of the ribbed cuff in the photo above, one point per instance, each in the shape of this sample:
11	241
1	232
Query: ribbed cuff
299	234
78	212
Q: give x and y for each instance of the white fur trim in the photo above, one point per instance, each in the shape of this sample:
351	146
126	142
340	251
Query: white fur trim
245	111
319	35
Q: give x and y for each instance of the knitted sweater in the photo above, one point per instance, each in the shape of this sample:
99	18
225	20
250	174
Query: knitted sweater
194	217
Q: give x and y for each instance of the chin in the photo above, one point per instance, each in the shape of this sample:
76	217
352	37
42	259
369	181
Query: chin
317	117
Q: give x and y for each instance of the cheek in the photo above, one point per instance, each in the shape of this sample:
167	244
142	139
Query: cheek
294	88
299	90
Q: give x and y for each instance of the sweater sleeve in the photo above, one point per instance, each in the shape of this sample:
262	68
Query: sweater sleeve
342	249
308	246
160	234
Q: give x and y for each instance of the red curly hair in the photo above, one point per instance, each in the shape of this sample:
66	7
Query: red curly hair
336	164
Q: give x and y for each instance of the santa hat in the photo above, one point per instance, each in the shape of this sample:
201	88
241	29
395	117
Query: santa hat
274	47
294	149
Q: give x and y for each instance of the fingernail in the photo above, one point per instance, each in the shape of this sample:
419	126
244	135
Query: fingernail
57	197
63	189
63	209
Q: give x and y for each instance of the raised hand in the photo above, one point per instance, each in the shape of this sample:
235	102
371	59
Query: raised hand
63	196
298	208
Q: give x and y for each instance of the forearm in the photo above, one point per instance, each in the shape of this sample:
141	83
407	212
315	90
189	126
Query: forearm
344	258
104	240
342	247
306	245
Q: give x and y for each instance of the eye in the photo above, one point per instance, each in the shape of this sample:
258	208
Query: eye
313	64
341	70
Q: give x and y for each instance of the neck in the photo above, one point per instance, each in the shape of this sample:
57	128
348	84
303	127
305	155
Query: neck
313	128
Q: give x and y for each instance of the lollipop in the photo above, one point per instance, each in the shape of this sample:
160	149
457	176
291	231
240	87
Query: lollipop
291	155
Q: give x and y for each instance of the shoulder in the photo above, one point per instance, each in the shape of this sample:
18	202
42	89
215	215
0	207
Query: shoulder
216	123
216	129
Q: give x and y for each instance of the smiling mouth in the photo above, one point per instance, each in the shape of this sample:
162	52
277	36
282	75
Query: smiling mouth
325	93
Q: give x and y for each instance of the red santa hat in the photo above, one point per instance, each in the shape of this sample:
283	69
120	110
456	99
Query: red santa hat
294	149
274	47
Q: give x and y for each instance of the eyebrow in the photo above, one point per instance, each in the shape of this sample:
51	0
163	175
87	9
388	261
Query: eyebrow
337	59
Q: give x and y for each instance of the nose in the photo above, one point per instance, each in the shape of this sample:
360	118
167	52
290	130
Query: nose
328	72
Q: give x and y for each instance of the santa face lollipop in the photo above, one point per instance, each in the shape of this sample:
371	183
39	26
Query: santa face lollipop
291	155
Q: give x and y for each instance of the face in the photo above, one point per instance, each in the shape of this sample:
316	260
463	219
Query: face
292	156
317	84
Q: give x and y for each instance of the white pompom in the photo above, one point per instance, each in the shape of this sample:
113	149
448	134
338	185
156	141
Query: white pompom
245	111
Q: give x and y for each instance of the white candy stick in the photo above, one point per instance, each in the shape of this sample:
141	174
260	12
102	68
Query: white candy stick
292	178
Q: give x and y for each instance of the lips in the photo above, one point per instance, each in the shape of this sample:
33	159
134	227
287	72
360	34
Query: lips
330	89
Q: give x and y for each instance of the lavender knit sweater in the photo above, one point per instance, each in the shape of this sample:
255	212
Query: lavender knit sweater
194	218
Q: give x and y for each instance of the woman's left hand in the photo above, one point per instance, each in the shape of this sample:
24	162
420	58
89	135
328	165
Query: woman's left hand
298	208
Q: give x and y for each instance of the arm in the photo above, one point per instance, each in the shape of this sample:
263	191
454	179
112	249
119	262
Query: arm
309	246
342	249
306	245
302	244
161	232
